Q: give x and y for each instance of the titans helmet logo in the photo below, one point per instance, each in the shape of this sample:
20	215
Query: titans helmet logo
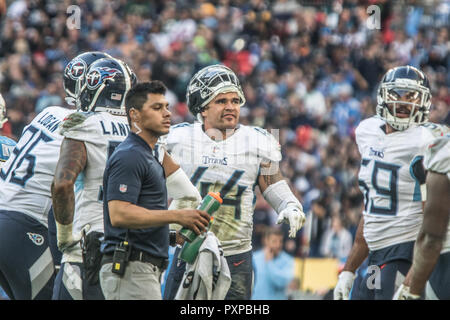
75	69
97	76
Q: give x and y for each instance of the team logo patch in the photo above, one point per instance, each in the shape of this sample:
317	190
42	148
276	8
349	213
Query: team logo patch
123	188
36	238
99	75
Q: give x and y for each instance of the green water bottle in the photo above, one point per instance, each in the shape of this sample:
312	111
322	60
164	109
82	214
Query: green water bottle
193	242
210	204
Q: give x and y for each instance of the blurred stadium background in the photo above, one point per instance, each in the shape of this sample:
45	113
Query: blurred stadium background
309	68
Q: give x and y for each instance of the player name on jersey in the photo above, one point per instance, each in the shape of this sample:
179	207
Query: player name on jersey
49	121
115	128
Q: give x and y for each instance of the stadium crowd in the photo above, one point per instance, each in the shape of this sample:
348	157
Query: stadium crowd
309	71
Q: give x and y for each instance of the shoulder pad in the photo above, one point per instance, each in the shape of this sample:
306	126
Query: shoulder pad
178	132
435	129
262	131
181	125
437	155
268	147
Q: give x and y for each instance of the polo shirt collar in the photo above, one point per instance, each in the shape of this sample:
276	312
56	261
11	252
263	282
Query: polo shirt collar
139	140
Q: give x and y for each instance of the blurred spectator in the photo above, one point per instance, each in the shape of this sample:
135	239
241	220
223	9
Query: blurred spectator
337	241
264	217
309	69
274	268
346	111
49	96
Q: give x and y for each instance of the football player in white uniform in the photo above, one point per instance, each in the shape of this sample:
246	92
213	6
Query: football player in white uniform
90	136
391	177
432	250
74	70
27	267
221	155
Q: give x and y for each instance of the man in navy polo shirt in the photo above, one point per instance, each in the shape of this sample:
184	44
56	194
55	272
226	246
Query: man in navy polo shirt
136	218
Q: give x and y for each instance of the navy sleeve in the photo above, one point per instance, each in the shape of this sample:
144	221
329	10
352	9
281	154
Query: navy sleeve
125	176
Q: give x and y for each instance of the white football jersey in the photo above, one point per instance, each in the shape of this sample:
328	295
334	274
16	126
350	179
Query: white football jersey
231	167
26	178
101	132
392	196
437	159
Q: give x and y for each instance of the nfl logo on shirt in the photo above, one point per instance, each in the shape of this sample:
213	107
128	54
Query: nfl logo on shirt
123	188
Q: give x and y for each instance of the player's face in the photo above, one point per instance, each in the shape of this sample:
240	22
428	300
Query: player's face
222	112
155	115
404	103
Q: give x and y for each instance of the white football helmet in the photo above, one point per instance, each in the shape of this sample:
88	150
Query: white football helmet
404	97
207	83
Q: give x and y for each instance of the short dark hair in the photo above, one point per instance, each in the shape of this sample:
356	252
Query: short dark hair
137	95
274	230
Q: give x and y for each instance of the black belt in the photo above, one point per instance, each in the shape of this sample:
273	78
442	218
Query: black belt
138	255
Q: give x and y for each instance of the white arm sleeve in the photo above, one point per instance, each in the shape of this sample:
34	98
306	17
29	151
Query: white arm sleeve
183	192
180	187
279	196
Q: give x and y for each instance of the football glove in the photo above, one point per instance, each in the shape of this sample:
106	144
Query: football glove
65	238
403	293
294	216
344	285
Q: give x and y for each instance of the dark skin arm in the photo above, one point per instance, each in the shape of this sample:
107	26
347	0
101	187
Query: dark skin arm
432	233
359	251
72	160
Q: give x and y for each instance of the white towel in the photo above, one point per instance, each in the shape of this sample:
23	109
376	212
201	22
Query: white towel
208	278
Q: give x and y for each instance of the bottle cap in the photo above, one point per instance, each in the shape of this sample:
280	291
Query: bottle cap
216	195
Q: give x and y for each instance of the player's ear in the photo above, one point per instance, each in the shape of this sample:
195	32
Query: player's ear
203	113
134	115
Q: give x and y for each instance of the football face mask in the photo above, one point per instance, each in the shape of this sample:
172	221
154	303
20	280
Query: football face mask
207	83
403	103
404	98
